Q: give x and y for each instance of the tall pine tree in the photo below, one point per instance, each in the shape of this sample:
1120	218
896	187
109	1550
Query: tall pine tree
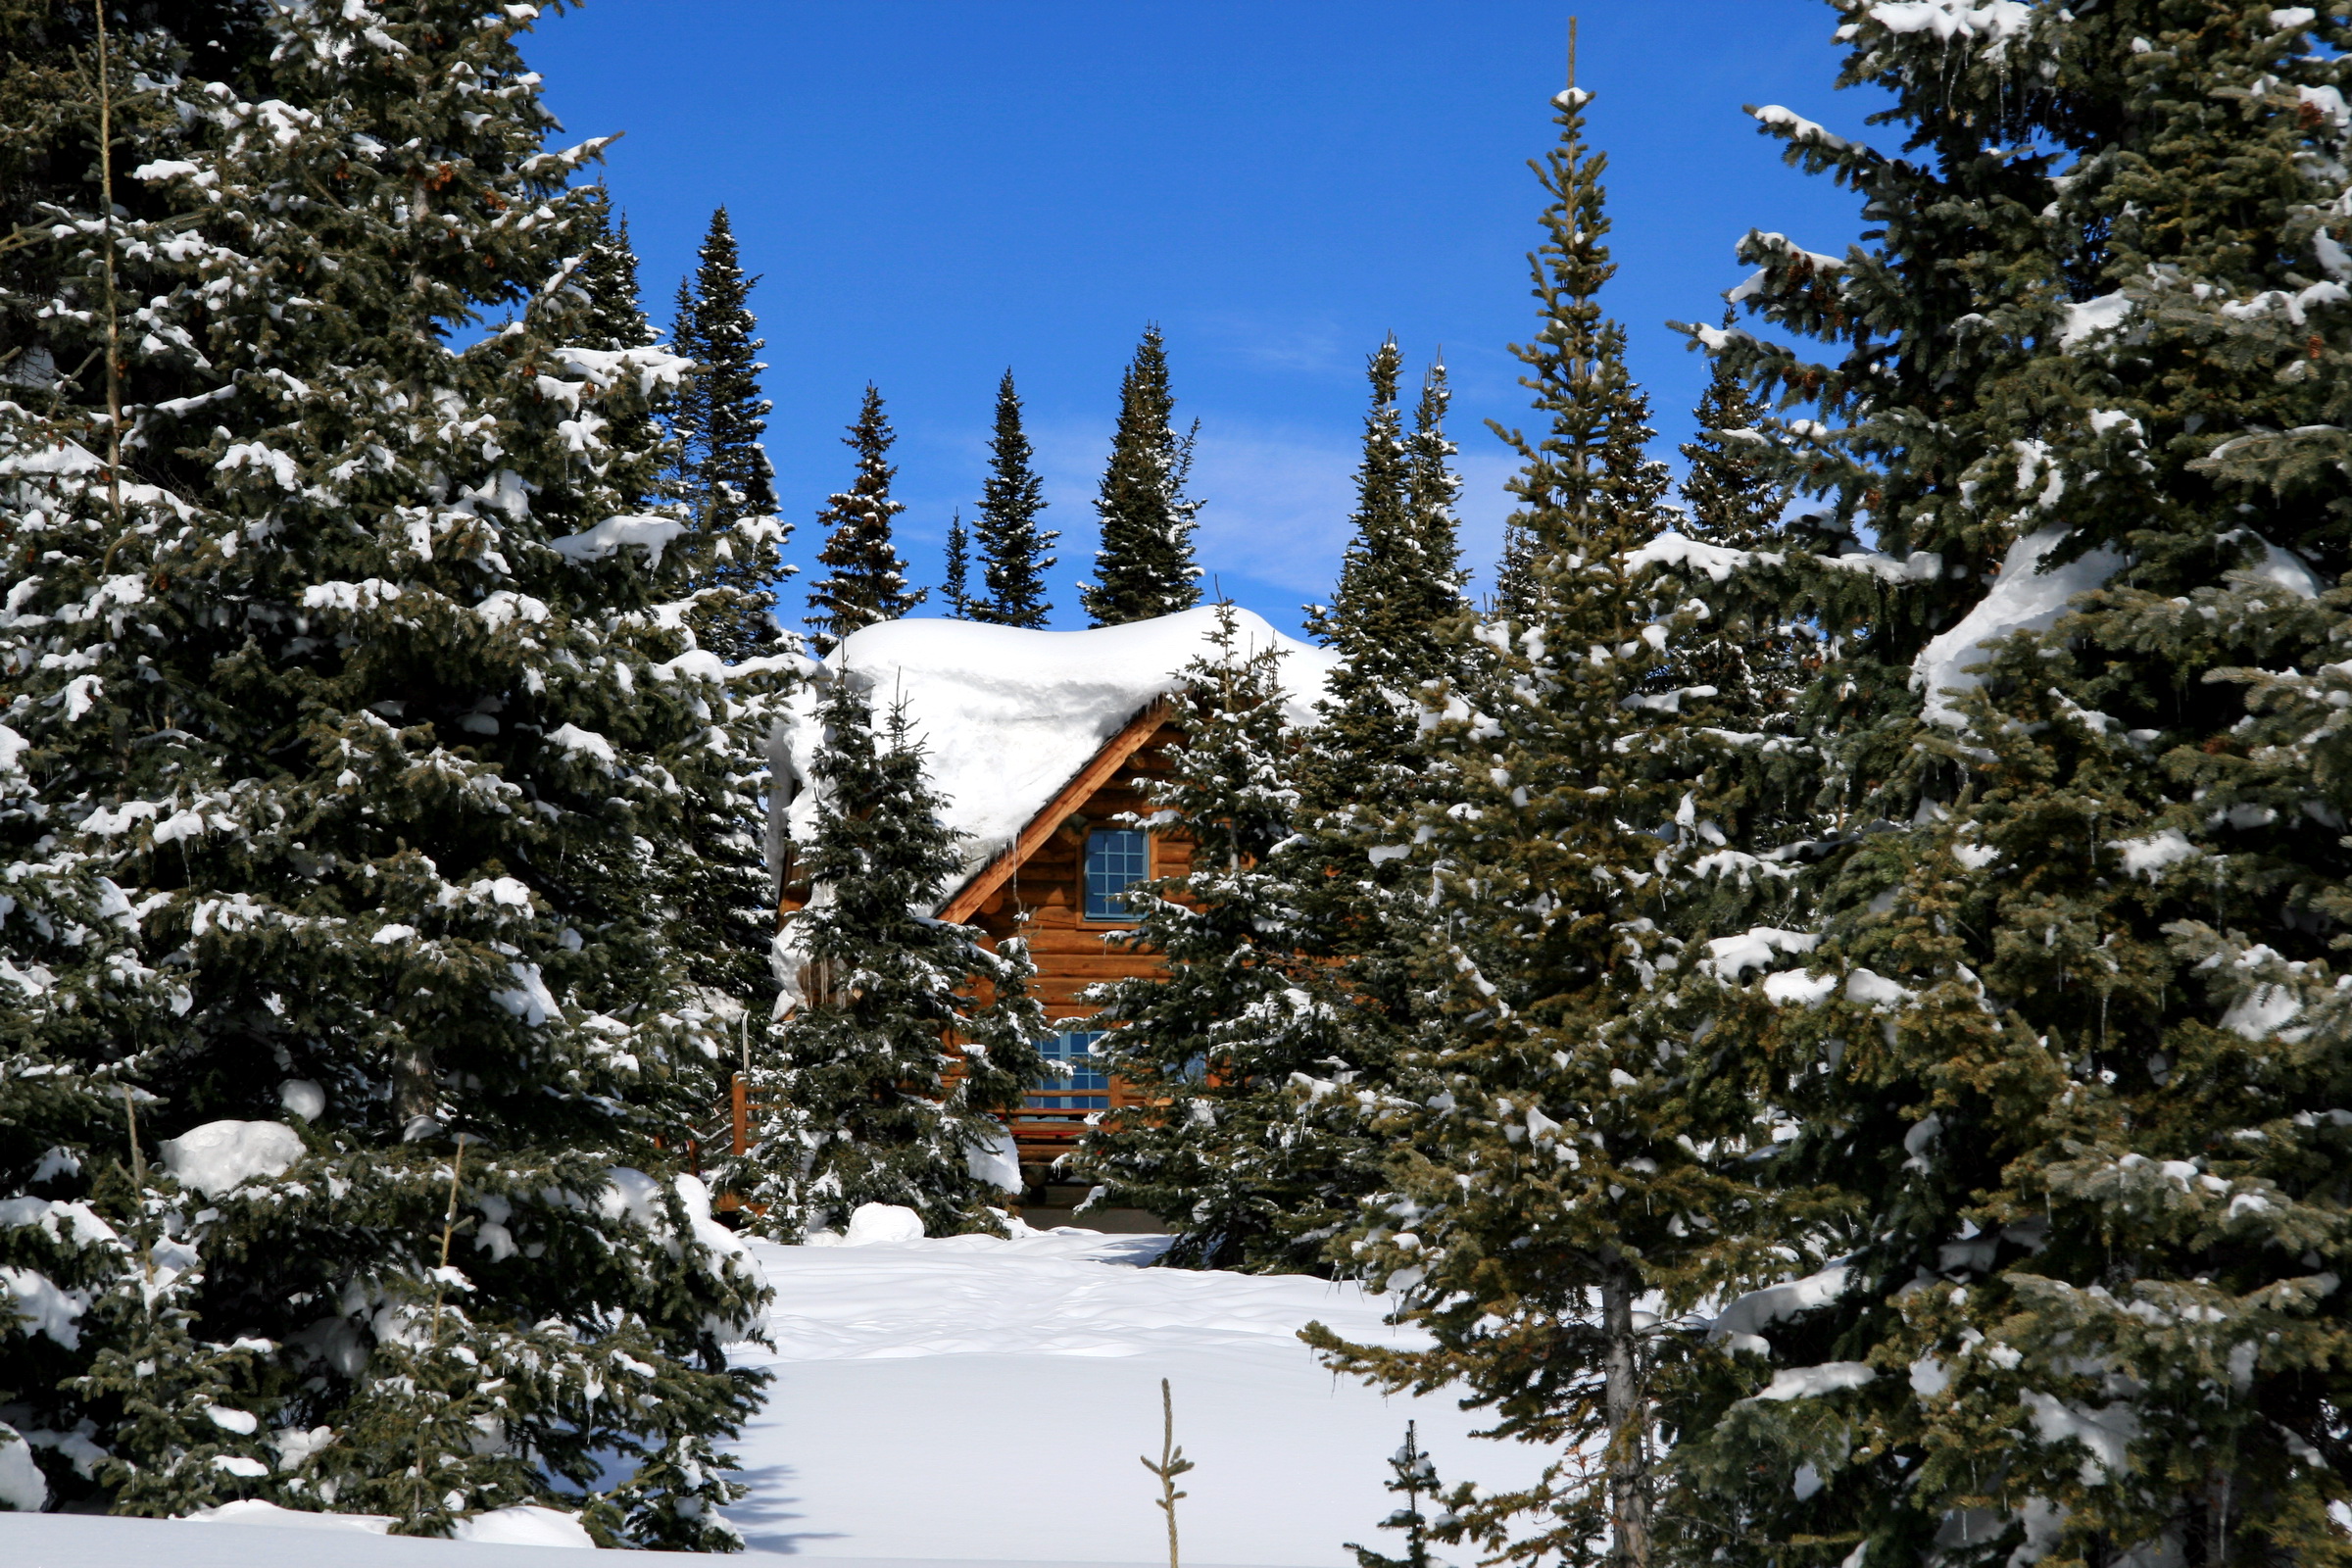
615	320
337	718
1565	1173
1731	491
1012	547
728	484
1362	765
1145	565
865	580
1431	487
1400	579
956	592
2063	1038
718	903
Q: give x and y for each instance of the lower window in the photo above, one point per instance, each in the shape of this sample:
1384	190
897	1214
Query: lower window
1088	1086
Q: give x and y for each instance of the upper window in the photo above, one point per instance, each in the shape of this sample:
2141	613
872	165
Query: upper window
1116	860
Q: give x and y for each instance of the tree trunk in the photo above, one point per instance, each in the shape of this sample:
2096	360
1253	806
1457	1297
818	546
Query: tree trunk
1628	1458
416	1083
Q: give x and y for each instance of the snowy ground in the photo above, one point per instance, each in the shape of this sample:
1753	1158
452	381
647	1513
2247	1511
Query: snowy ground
982	1398
981	1402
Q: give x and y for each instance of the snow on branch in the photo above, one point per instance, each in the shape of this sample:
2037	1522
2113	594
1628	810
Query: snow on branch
1994	20
649	533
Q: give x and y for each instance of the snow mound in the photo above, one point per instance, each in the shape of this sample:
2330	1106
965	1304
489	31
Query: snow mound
218	1156
22	1487
255	1535
523	1525
270	1516
883	1225
1006	715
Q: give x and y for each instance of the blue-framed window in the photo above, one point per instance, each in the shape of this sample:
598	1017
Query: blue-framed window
1086	1087
1116	860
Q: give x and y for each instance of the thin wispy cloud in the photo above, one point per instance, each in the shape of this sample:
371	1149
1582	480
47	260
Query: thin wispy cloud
1308	348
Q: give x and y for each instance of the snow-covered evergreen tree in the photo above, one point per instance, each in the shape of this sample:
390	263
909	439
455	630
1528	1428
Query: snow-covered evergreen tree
1145	566
728	484
1212	1043
1565	1172
717	899
1730	493
2062	1038
1431	487
1400	579
870	1100
955	591
1739	680
615	320
1413	1475
1360	771
339	716
1012	547
865	580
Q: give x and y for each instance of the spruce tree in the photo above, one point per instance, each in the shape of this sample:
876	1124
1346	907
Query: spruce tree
2062	1040
1732	500
1732	495
870	1100
1361	768
718	894
866	581
1145	565
1431	487
1515	572
1412	1476
337	718
1565	1171
957	592
1740	678
1400	579
1012	547
615	320
1212	1043
729	486
687	416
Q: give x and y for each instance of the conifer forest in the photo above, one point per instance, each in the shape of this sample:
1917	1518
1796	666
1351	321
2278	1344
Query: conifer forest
1815	986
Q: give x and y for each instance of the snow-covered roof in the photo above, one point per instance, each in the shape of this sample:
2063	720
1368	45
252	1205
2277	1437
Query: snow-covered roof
1008	716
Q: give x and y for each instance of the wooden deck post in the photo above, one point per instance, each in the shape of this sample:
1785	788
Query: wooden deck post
740	1098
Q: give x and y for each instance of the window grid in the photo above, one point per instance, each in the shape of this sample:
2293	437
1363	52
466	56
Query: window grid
1116	859
1073	1047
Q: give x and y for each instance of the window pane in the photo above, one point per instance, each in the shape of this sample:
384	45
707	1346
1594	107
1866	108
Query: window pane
1085	1088
1116	859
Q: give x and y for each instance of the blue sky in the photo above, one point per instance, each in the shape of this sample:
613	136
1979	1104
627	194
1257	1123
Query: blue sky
934	189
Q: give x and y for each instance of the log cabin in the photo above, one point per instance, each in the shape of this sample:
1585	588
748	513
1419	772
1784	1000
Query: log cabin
1041	745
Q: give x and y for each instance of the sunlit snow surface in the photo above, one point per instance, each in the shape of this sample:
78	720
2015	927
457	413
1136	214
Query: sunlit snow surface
982	1398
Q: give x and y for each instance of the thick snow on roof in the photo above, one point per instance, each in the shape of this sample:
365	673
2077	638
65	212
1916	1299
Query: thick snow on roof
1006	715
